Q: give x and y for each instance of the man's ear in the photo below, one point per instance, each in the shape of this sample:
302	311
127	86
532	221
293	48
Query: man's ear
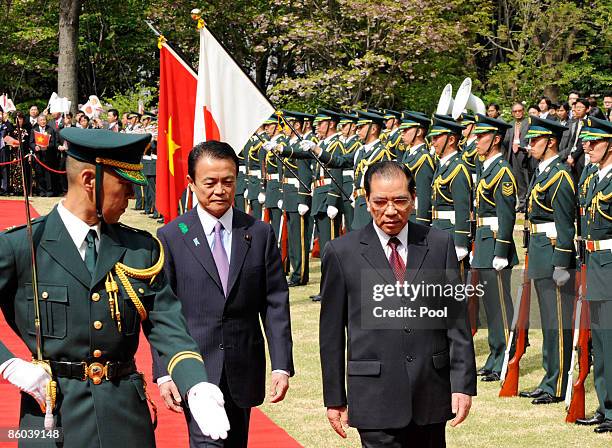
88	179
189	183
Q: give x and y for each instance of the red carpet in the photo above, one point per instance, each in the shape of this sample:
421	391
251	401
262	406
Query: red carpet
171	430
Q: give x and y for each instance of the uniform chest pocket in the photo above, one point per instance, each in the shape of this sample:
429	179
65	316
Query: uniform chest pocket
603	216
130	318
53	301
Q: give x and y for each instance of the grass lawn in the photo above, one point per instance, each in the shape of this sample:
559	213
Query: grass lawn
493	421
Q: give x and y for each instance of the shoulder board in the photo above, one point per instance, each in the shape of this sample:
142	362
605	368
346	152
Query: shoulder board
559	175
38	220
134	229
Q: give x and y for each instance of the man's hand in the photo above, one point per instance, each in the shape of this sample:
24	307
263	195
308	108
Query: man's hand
28	377
278	387
303	209
461	252
206	406
338	419
560	276
36	148
307	145
261	198
269	146
461	404
499	263
171	396
279	204
332	211
570	161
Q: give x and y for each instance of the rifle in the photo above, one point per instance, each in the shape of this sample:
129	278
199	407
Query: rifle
510	369
575	395
473	304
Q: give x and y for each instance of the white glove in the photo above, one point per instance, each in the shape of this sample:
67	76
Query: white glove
307	145
499	263
279	204
246	193
461	252
205	401
303	209
261	198
560	276
332	211
28	377
471	257
269	146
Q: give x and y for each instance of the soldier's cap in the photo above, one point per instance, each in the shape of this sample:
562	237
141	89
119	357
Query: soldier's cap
486	124
348	118
120	152
132	115
325	115
439	126
375	111
466	119
273	119
369	118
596	129
388	114
413	120
150	115
539	127
443	117
406	112
299	116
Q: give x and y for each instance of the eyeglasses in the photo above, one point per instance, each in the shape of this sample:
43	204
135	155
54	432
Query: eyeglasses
517	110
400	204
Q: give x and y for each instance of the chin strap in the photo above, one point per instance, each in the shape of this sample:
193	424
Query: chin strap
98	193
491	144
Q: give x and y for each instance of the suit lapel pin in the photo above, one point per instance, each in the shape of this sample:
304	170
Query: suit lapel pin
247	237
183	227
196	242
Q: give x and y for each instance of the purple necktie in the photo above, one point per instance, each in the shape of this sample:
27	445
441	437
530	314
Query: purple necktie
220	257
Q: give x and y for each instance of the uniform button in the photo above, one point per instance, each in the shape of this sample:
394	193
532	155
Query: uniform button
97	353
97	325
220	346
141	291
45	295
409	358
95	297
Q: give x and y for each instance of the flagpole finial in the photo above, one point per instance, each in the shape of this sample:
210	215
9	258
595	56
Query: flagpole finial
196	15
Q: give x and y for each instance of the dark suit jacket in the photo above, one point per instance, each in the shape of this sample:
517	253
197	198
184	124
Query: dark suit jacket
509	138
393	376
228	331
52	148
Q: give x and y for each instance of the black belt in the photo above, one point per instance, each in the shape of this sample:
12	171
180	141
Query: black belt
96	371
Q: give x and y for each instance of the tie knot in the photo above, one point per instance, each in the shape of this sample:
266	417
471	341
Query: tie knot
91	237
394	242
218	227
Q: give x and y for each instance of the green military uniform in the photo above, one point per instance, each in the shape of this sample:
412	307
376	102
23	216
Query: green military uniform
149	169
469	154
273	191
495	218
255	161
241	179
393	137
351	147
451	196
139	190
551	214
420	163
599	261
92	312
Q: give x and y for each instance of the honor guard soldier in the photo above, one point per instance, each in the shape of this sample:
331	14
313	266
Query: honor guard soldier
273	194
134	127
255	161
494	249
393	142
241	179
467	146
348	124
551	212
451	196
296	201
149	162
597	136
420	163
98	283
326	195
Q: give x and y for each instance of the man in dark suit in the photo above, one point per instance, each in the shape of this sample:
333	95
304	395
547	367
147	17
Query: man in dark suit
45	180
514	144
573	152
225	268
407	378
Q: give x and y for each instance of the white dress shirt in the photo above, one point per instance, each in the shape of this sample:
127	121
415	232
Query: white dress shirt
603	171
402	236
487	163
545	163
445	159
77	229
208	224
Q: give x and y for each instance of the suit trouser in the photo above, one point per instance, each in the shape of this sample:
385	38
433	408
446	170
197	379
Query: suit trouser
601	330
298	228
521	174
43	176
238	417
497	292
4	169
426	436
328	229
556	308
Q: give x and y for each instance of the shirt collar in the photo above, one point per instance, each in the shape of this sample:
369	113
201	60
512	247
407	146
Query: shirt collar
487	163
76	227
329	139
605	170
209	221
369	146
384	238
545	163
445	159
415	148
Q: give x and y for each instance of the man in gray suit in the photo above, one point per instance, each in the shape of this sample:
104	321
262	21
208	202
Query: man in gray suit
514	144
225	268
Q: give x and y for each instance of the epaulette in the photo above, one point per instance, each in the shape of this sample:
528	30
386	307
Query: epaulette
23	226
134	229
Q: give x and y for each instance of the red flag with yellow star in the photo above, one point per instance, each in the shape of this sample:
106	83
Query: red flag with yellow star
177	96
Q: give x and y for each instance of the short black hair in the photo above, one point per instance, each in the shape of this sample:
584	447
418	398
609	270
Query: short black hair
114	111
584	101
389	169
495	105
547	99
213	149
565	105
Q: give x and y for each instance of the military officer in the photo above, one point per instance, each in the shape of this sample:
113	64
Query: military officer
467	146
134	127
98	283
597	136
255	160
241	180
352	144
273	168
393	142
451	196
149	162
420	163
551	214
494	249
